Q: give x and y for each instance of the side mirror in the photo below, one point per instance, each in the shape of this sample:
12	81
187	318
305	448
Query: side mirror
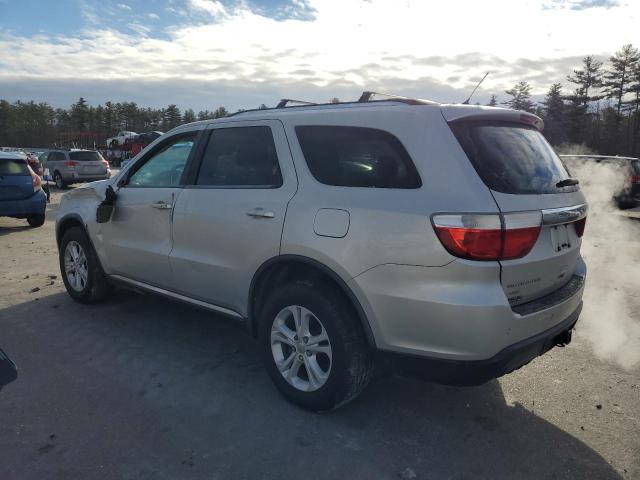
105	209
8	370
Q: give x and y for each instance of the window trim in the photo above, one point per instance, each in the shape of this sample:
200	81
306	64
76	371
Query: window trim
199	160
387	132
196	134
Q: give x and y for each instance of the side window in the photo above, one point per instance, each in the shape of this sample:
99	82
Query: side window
240	156
164	167
357	157
57	157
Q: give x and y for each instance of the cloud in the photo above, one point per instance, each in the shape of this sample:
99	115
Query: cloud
582	4
123	6
350	46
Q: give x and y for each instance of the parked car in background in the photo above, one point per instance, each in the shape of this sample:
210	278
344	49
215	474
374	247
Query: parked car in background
628	195
442	238
120	139
69	166
21	194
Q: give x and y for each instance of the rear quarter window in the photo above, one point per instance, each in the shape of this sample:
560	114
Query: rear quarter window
511	158
13	167
357	157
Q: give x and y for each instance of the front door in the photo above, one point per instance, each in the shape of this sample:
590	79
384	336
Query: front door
137	240
230	221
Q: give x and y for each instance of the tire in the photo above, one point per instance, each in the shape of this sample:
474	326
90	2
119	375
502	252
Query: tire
36	220
347	369
91	287
60	183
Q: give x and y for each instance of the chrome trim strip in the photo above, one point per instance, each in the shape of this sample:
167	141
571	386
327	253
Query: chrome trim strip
177	296
557	216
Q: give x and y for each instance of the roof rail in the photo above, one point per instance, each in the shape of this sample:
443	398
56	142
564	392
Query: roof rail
283	103
366	97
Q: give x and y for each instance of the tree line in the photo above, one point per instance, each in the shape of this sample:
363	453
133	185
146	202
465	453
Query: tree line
601	111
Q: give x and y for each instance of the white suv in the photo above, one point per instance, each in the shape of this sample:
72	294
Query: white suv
443	239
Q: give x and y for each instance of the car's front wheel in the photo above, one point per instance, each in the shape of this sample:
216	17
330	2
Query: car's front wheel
313	346
81	271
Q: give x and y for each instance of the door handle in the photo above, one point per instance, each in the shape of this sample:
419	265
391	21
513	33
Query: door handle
162	205
261	213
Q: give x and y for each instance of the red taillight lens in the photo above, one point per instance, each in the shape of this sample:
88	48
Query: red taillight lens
487	237
635	178
471	243
71	164
579	226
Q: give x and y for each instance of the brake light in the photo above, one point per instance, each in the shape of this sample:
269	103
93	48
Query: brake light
635	178
487	236
579	226
71	163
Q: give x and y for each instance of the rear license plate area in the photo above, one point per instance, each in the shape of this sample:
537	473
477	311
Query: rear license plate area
560	239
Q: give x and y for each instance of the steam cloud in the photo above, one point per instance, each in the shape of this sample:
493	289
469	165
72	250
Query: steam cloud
610	320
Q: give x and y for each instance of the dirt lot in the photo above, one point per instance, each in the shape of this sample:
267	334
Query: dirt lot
141	387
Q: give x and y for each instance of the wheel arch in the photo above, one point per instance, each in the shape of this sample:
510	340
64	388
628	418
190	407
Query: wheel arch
68	221
285	267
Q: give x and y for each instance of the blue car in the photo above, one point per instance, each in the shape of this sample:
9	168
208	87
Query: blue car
21	194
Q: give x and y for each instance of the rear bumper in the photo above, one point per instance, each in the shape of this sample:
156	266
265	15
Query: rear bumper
36	204
79	178
477	372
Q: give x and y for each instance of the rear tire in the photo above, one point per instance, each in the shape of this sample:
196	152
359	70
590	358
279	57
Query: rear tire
60	183
35	220
325	381
80	268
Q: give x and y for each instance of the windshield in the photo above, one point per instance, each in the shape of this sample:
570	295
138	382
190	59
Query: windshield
13	167
511	158
86	156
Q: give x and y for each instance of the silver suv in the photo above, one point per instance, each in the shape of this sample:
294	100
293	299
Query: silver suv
443	240
68	166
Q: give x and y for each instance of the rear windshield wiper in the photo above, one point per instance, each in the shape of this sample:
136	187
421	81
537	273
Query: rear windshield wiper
567	182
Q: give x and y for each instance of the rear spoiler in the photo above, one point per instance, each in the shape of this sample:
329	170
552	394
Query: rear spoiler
457	113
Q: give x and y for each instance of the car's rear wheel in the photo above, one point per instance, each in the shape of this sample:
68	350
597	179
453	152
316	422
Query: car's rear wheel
81	271
313	346
35	220
57	178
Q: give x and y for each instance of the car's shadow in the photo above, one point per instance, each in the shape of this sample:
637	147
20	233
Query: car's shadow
148	388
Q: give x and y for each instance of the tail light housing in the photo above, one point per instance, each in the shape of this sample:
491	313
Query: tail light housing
579	226
635	178
71	163
488	237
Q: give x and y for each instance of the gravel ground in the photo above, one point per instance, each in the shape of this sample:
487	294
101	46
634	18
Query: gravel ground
141	387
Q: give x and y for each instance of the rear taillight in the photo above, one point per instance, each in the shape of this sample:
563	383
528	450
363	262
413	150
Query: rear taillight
488	237
71	163
579	226
635	178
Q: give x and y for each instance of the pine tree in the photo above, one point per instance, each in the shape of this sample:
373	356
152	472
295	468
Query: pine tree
189	116
619	77
171	117
493	102
220	112
553	113
587	80
521	97
80	115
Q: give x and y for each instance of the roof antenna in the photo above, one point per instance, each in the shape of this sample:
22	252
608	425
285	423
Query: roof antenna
466	102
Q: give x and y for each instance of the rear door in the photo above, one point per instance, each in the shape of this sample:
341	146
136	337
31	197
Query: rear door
88	162
230	220
524	175
16	182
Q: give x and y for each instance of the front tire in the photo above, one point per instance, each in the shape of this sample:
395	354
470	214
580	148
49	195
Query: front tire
313	346
81	271
35	220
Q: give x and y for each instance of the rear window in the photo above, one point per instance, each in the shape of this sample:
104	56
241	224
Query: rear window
85	156
512	158
13	167
357	157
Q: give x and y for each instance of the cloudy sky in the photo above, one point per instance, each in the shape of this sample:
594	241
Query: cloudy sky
241	53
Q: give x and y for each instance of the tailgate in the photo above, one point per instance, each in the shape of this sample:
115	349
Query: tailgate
524	174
